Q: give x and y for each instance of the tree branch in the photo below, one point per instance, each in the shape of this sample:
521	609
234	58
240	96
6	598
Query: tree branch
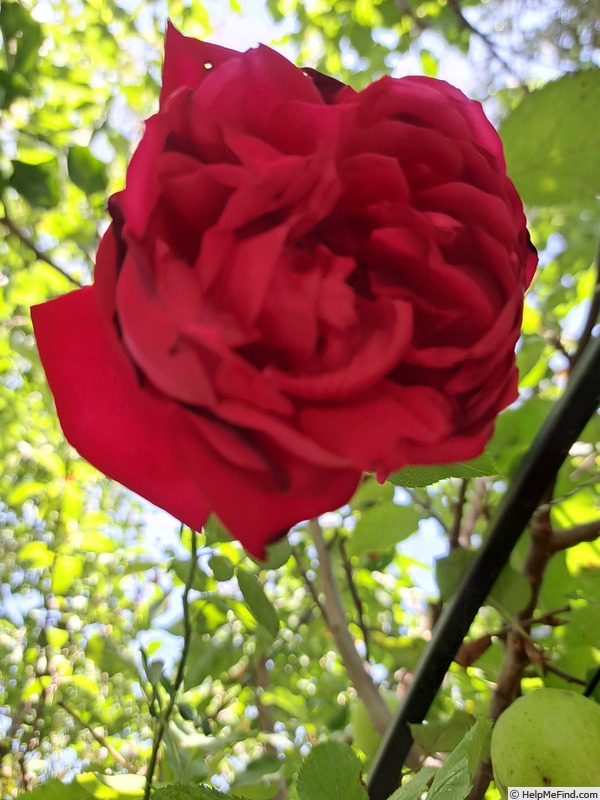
97	736
457	514
379	714
40	255
586	532
464	22
427	506
309	584
564	675
355	597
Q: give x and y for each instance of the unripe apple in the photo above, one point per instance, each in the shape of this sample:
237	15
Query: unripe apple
364	736
550	737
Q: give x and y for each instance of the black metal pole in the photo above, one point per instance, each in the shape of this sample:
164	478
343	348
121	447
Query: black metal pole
549	449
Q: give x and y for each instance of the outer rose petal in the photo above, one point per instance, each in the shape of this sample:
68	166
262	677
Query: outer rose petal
116	424
257	502
185	59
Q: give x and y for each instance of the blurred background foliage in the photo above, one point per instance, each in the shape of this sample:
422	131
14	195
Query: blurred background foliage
100	595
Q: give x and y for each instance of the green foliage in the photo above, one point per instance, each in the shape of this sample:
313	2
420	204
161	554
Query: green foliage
186	792
37	183
257	602
85	170
552	140
414	788
479	467
454	780
382	526
331	772
90	785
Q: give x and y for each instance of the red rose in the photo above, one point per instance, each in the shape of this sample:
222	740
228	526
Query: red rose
300	283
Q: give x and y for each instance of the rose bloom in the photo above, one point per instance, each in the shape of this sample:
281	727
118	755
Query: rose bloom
300	283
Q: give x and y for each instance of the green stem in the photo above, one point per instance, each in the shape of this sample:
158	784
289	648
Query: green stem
187	636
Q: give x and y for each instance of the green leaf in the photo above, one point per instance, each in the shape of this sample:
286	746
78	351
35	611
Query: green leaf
37	183
57	637
182	570
411	477
515	430
215	531
12	85
108	657
86	171
57	790
511	592
416	786
293	703
444	735
111	787
382	526
552	139
206	658
276	555
450	571
184	791
454	780
370	493
258	604
332	771
257	769
222	568
453	783
64	571
24	34
36	554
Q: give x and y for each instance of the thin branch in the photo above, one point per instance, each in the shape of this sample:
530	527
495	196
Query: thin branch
554	339
593	683
587	532
454	532
40	255
476	508
548	618
309	584
355	597
564	675
458	12
427	506
582	486
102	741
187	637
377	709
540	551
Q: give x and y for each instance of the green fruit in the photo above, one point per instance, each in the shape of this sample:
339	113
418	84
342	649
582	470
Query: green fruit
364	736
550	737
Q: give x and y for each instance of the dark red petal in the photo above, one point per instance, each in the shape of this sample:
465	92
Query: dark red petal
377	431
119	427
275	491
328	87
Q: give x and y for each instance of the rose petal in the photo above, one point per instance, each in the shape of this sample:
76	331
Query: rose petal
258	505
381	430
188	62
115	423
